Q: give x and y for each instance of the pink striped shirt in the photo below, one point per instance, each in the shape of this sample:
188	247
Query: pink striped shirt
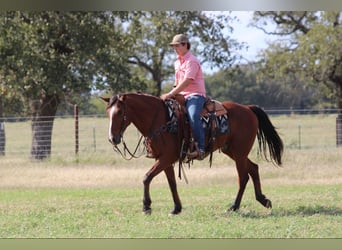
189	66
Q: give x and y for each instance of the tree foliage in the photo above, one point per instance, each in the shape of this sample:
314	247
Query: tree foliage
70	54
311	48
58	54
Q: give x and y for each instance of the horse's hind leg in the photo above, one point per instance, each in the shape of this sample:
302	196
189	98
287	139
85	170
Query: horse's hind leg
253	170
170	174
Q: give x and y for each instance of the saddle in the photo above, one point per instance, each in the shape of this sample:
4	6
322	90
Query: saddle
214	120
213	107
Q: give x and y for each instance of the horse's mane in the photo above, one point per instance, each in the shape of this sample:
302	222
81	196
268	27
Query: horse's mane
145	94
112	100
156	100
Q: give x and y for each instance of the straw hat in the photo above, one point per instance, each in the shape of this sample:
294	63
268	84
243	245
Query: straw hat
178	39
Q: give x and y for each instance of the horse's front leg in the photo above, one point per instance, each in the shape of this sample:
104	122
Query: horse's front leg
170	174
155	170
147	198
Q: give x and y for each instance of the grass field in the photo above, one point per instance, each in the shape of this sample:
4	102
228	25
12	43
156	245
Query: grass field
99	194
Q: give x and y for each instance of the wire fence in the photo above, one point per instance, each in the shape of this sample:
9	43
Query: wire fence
19	136
299	129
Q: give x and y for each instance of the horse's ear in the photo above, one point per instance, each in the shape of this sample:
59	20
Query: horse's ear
122	97
106	99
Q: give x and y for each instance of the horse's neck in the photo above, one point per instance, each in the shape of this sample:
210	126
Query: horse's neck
147	113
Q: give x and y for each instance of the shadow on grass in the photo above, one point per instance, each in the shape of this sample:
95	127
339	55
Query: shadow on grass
297	211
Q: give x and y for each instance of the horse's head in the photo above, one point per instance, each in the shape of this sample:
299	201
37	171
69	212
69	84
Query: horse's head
118	122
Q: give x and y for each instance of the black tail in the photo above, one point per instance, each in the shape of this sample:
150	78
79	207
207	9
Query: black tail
268	136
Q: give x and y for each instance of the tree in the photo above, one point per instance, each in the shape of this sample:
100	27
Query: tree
314	51
311	48
49	57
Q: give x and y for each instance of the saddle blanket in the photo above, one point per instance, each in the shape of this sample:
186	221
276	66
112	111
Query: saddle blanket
221	124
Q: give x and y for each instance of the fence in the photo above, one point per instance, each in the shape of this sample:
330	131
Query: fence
92	136
299	129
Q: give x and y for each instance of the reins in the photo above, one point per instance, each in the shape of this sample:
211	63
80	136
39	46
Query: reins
127	151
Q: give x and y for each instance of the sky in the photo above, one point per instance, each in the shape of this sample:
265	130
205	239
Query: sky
255	38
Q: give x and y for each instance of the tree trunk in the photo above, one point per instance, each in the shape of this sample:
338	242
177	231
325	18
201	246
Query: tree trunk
42	124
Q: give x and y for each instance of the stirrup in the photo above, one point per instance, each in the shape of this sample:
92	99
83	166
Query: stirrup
197	154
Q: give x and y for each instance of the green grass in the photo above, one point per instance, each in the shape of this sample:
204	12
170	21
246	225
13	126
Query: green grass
99	195
298	212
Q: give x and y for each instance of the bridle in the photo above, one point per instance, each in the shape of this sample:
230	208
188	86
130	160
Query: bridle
126	153
126	150
162	129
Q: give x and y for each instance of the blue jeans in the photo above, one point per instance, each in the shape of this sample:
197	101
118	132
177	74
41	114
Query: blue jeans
194	105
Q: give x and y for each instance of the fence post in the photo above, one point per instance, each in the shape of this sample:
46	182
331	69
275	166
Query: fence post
299	137
2	129
76	128
2	137
94	138
339	130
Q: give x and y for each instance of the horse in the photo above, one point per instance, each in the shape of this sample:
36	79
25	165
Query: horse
148	114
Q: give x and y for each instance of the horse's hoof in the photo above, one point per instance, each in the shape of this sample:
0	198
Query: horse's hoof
174	212
228	211
233	208
268	204
147	211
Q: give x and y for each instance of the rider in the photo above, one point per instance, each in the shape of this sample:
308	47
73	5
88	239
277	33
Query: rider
189	82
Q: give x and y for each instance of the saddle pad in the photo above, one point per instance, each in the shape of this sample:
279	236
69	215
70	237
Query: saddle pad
221	126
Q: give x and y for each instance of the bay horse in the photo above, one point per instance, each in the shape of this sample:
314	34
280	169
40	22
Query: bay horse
148	113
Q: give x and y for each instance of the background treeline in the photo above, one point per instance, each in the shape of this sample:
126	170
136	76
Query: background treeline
243	85
240	86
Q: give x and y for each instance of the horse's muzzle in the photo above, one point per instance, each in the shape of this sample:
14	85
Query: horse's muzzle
115	140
